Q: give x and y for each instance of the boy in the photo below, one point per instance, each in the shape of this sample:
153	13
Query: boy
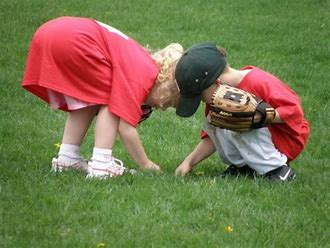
265	151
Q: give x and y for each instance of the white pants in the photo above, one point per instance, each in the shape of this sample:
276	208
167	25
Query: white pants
254	148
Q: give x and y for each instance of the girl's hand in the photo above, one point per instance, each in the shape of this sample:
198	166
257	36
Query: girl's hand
150	166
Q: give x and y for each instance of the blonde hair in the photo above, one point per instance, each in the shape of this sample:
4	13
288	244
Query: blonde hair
166	91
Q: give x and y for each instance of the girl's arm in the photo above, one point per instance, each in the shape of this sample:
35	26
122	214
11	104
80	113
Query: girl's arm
132	142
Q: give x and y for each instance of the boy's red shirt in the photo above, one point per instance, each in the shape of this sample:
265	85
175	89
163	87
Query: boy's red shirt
291	136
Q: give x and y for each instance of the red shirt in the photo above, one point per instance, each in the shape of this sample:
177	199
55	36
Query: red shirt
291	136
92	62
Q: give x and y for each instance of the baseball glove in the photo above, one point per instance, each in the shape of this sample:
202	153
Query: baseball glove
146	112
238	110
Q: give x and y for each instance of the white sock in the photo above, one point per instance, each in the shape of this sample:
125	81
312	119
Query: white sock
69	154
101	157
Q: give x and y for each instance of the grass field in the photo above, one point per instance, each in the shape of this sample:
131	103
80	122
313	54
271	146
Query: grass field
42	209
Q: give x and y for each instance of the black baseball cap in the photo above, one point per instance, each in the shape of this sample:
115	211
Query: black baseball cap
197	69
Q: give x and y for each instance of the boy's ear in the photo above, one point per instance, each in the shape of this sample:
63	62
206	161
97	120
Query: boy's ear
218	81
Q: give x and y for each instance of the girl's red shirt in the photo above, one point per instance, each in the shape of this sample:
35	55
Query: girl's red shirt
92	62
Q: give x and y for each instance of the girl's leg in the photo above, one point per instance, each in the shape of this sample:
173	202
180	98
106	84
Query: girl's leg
102	163
105	136
106	128
76	126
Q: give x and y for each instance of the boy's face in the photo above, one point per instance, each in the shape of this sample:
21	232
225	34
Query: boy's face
208	93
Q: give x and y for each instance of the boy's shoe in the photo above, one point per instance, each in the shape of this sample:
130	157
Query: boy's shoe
114	169
233	170
58	167
282	174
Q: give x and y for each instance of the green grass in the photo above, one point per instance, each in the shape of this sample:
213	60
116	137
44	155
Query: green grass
42	209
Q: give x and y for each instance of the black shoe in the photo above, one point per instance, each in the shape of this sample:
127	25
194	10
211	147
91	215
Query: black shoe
281	174
233	170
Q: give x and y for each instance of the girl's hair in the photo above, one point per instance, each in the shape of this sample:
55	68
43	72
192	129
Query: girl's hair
166	90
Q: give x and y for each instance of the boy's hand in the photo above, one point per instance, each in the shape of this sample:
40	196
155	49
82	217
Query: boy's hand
238	110
183	169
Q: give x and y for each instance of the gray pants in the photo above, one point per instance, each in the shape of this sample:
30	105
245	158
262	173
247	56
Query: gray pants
254	148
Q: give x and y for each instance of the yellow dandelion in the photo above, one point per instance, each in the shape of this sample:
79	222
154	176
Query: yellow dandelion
101	245
57	145
228	229
199	173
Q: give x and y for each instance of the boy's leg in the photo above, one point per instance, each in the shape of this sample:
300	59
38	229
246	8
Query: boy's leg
255	149
261	155
228	152
259	151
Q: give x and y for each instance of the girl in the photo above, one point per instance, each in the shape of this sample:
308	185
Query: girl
92	70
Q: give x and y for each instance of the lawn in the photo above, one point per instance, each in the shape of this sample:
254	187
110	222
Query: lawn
42	209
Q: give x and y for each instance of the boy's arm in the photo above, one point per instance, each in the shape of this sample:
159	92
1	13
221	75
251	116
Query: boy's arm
203	150
278	118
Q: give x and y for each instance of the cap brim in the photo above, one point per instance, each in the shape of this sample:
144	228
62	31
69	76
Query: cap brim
188	105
